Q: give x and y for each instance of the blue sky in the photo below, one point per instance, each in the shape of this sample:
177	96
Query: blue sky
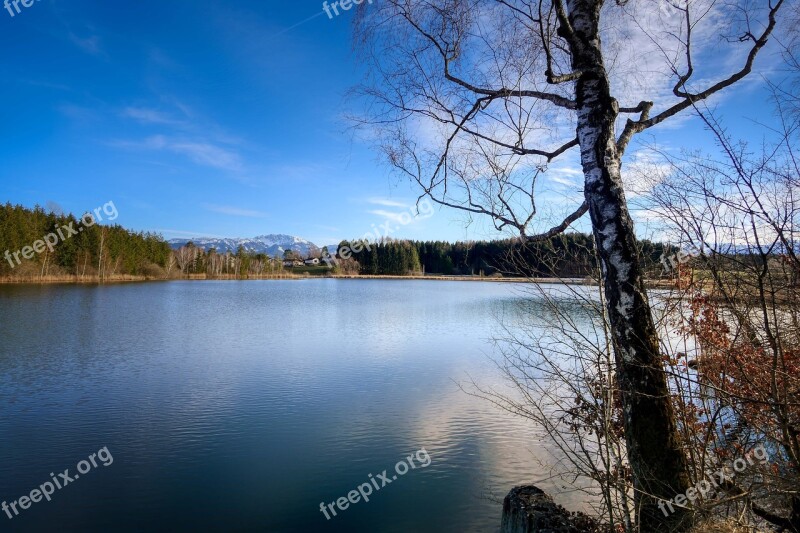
211	118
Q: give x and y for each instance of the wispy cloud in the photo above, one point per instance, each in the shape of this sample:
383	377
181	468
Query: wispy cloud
200	152
400	218
148	116
562	180
234	211
90	45
208	154
385	202
562	176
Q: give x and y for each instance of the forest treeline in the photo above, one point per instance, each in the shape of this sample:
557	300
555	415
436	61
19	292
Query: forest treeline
105	251
569	255
86	250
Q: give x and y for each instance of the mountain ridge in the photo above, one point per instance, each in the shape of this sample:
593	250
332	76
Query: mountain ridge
273	244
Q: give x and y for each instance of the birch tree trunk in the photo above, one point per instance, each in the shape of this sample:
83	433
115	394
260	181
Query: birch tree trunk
657	462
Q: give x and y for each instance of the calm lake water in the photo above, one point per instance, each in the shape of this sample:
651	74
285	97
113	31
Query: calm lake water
241	406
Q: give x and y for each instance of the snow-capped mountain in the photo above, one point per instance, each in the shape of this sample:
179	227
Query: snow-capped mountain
273	245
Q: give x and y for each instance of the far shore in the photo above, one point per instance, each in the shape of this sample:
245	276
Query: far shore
117	279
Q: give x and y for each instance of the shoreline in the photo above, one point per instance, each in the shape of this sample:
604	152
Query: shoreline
556	281
73	280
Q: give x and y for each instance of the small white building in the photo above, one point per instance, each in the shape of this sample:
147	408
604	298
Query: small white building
314	261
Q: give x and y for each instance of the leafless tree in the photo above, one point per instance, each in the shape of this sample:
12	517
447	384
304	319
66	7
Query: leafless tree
473	99
741	212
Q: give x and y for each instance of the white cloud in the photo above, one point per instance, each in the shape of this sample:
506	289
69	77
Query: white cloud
385	202
643	169
563	181
208	154
148	116
200	152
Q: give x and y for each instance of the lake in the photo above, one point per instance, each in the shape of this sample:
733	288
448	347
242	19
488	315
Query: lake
242	406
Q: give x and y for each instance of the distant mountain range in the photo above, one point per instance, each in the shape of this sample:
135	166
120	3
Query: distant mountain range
273	245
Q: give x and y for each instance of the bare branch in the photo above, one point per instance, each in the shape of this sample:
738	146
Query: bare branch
552	232
634	127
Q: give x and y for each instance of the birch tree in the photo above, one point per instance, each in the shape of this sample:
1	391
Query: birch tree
476	100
